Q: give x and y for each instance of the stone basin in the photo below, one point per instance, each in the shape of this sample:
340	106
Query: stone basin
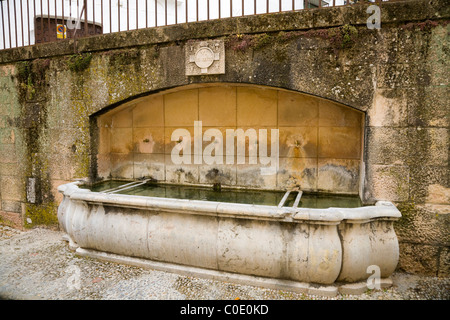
312	250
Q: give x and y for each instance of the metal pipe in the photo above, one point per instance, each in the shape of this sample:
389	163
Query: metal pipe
64	26
101	14
9	25
297	199
3	27
15	23
42	21
283	200
110	17
56	22
86	26
93	15
129	187
48	16
121	186
21	22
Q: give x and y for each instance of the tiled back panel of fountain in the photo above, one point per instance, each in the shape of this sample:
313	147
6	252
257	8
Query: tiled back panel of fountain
320	141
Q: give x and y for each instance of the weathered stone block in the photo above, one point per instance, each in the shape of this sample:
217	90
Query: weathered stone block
438	194
422	222
8	152
418	258
444	262
7	136
9	169
61	166
428	106
12	188
11	206
399	75
423	176
389	109
432	144
387	145
387	182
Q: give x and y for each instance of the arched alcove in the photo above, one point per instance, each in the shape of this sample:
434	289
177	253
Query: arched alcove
319	141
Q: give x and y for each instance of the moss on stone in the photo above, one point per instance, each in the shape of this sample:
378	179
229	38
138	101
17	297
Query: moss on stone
79	62
42	214
121	60
31	77
408	211
32	86
23	71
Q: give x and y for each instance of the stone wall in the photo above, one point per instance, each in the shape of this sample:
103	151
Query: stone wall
397	76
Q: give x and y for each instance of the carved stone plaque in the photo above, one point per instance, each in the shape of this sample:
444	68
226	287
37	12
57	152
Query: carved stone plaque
205	57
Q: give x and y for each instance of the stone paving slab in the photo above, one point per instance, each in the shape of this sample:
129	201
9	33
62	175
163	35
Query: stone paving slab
37	264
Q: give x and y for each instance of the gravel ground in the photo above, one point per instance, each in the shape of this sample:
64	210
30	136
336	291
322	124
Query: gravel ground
37	264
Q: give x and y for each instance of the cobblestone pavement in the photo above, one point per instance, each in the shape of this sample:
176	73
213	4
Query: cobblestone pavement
37	264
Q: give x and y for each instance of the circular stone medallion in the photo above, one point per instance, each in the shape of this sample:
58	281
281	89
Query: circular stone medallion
204	57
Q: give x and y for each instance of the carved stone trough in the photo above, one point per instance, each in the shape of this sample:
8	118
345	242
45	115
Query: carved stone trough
315	251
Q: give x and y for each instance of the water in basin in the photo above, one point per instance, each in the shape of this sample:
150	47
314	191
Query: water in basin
256	197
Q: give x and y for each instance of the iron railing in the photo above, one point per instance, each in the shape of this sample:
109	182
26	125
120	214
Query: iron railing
29	22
